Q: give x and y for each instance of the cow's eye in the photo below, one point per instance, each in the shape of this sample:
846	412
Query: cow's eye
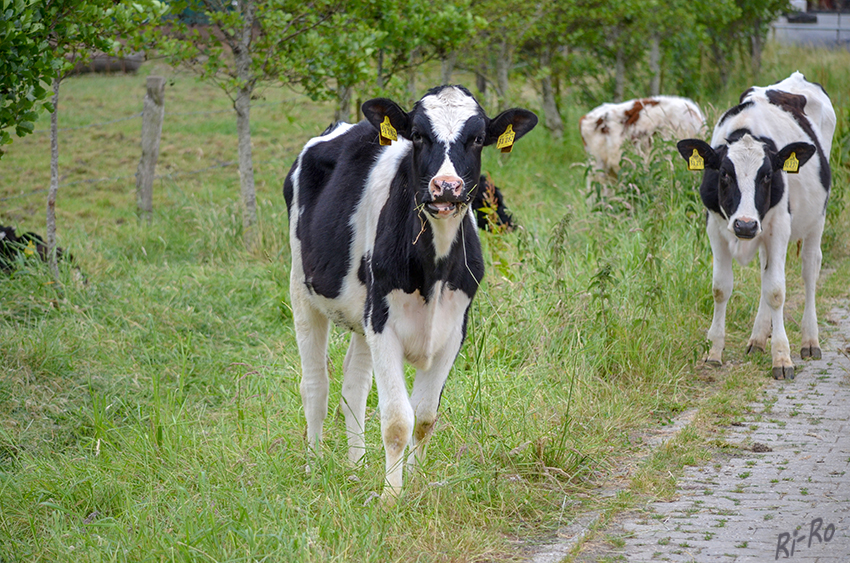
416	137
479	140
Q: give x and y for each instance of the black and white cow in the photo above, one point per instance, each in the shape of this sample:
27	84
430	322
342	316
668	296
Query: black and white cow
15	247
491	213
384	243
766	183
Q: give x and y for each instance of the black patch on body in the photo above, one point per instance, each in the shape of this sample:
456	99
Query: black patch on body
794	105
331	182
398	263
734	111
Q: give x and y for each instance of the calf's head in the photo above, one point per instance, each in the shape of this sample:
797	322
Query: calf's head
448	130
743	180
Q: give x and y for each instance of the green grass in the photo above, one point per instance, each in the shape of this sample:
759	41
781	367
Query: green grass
152	413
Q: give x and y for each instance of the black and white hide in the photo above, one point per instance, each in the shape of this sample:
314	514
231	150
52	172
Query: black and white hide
384	243
765	184
491	213
15	247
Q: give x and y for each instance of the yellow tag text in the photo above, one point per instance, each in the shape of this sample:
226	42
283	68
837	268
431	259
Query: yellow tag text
696	162
792	165
388	132
506	139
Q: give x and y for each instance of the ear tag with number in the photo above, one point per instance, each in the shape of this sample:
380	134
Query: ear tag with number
30	249
388	132
696	162
506	139
792	165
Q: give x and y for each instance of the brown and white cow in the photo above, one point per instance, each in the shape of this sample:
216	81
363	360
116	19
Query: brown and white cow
606	128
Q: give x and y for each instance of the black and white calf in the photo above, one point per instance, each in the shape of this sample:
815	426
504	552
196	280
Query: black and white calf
766	183
489	206
14	248
384	243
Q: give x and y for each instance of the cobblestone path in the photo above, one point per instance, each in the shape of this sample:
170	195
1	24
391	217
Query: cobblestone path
783	496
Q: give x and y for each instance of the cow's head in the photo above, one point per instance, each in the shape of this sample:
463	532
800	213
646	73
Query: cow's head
743	180
448	129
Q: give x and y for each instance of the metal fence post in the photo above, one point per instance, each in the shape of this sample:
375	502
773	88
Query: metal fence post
154	109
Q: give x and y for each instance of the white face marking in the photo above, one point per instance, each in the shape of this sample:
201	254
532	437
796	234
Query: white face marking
748	156
448	111
447	168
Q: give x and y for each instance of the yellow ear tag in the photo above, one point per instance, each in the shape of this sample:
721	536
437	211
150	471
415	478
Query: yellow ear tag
696	162
388	132
792	165
506	139
30	249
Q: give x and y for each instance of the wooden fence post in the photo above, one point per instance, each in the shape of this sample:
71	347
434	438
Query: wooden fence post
154	109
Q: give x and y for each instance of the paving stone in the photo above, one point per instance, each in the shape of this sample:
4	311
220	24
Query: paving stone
792	503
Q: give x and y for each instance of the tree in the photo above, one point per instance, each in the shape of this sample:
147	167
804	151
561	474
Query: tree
507	25
377	48
245	43
26	64
546	55
42	39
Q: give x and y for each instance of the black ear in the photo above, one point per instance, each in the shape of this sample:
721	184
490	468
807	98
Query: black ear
379	108
521	121
793	156
698	154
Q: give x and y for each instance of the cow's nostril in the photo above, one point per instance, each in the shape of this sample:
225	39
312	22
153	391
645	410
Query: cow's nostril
446	185
745	229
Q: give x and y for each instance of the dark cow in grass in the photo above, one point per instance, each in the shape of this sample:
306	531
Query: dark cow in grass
14	248
765	184
491	214
384	244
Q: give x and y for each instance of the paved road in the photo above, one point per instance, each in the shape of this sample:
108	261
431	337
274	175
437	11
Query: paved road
831	30
785	495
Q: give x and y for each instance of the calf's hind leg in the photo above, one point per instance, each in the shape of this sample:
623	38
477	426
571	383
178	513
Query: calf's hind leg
311	333
811	258
356	384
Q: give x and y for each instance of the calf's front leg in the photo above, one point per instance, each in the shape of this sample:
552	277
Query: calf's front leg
425	398
722	283
773	293
396	412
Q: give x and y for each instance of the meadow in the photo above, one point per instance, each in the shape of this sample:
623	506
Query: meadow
149	411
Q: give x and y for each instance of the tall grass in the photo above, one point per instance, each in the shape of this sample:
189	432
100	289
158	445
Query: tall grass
152	412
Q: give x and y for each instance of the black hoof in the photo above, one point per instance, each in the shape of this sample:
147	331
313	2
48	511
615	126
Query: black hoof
753	348
713	363
811	352
783	372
